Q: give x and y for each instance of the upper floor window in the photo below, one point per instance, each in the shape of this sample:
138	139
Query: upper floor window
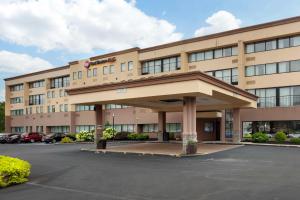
51	108
17	87
95	72
268	45
115	106
63	108
123	67
36	99
89	73
161	65
130	65
105	70
213	54
227	75
37	84
51	94
60	82
79	108
77	75
273	68
111	69
17	112
16	100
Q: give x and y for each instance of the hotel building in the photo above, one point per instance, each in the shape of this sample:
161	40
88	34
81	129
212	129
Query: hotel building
204	86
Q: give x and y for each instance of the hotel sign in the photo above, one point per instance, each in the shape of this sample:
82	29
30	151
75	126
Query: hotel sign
87	64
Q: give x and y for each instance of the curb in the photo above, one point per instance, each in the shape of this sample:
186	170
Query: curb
272	145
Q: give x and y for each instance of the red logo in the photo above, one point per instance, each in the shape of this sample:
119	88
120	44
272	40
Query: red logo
87	64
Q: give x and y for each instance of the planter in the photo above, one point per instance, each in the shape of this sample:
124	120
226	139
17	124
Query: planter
101	144
191	148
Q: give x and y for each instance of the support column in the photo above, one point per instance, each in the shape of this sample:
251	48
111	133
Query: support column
236	125
161	125
189	122
222	127
99	123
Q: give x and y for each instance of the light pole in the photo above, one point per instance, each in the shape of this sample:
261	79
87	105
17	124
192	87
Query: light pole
113	125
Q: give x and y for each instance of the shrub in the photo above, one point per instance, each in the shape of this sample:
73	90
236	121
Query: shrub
85	136
171	136
108	133
13	171
138	136
280	137
66	140
260	137
295	140
121	136
247	137
71	136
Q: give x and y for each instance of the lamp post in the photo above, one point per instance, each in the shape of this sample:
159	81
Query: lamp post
113	125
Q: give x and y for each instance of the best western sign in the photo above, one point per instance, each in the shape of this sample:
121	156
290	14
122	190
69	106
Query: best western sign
87	64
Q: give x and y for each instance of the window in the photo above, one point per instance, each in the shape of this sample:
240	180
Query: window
51	108
260	46
295	66
295	41
115	106
75	76
228	75
271	68
218	53
260	70
173	127
79	74
111	69
88	128
283	67
105	70
17	87
59	129
51	94
60	82
271	45
284	43
79	108
89	73
250	71
95	72
123	67
200	56
17	112
17	129
37	84
228	123
161	65
150	128
249	48
208	55
16	100
208	127
130	65
234	51
36	99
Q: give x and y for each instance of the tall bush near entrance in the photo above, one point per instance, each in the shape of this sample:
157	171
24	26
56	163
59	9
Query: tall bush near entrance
260	137
13	171
280	137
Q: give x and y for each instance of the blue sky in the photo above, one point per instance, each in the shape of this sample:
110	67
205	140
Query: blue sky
36	35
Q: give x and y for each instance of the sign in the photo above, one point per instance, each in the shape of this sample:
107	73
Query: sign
87	64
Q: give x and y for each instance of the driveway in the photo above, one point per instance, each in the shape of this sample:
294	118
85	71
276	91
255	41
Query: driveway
65	172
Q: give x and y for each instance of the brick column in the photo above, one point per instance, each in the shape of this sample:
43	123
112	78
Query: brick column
222	127
99	122
236	125
189	121
161	125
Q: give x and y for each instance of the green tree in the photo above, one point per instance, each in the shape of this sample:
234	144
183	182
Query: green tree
2	116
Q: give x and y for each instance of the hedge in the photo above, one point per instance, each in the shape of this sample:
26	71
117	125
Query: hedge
13	171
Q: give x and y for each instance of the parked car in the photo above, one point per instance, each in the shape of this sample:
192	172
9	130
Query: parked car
31	137
53	137
4	137
294	135
14	138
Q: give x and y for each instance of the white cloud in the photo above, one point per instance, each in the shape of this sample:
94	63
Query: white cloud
218	22
81	26
11	62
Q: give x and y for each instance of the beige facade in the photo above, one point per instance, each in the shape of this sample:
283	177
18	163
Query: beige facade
127	77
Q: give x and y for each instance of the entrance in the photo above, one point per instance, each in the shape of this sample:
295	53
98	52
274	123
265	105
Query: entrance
208	129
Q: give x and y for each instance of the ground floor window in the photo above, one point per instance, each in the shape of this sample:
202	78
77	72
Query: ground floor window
40	129
173	127
88	128
150	128
271	127
59	129
209	127
17	129
122	127
228	123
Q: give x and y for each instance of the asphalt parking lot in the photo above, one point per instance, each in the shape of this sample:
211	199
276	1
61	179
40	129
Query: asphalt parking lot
65	172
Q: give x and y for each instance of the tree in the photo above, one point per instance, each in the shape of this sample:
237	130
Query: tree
2	116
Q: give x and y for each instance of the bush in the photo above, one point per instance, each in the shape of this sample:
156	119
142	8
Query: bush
247	137
13	171
66	140
280	137
121	136
171	136
72	136
138	136
295	140
108	133
85	136
260	137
